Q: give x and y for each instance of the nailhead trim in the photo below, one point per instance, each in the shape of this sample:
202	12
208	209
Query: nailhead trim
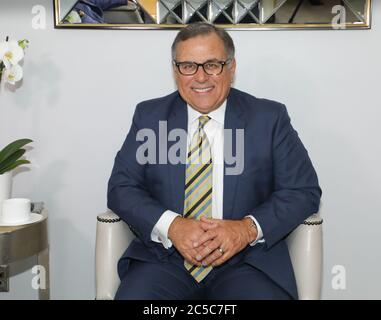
313	223
109	220
308	223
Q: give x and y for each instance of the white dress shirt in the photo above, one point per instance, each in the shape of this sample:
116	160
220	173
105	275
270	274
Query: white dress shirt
214	130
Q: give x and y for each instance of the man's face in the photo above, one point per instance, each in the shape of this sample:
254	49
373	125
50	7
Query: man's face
201	91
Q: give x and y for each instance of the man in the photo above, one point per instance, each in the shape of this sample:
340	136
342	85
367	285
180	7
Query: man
91	11
214	228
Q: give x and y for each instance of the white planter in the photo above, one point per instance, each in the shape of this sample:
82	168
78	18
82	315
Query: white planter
5	187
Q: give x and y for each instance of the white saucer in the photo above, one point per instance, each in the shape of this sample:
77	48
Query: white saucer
33	217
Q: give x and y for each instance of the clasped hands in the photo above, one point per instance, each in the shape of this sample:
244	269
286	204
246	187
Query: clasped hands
210	241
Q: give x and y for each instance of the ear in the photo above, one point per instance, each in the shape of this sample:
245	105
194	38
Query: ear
175	73
233	66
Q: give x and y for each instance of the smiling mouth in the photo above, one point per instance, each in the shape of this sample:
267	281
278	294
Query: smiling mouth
203	90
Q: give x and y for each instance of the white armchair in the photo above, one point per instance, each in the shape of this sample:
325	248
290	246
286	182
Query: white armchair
304	243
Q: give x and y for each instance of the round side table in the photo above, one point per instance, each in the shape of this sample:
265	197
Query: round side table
20	242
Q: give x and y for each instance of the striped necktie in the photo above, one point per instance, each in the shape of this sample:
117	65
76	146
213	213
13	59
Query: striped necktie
198	186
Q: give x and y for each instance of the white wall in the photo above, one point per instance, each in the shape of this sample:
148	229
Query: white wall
77	100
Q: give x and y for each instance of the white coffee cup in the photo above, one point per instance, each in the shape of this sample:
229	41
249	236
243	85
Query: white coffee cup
15	210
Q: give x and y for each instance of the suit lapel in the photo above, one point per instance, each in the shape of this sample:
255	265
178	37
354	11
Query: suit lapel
178	119
234	119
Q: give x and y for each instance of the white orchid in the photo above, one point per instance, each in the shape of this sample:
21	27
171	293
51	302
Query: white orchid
11	53
13	74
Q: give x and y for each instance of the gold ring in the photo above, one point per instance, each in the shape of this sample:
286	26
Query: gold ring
221	250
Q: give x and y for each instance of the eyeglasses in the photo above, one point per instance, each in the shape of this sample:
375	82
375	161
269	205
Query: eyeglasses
212	68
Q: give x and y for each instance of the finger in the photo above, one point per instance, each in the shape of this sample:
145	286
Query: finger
191	260
228	253
213	257
207	250
218	262
210	220
208	226
194	253
199	248
223	258
209	235
207	220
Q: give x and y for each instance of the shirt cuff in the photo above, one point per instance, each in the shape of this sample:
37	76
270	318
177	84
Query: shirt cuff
160	230
259	238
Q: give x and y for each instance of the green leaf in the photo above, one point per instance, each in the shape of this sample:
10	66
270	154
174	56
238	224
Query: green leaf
14	165
23	43
12	158
12	147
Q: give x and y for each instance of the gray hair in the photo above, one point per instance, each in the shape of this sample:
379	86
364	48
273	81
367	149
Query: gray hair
203	28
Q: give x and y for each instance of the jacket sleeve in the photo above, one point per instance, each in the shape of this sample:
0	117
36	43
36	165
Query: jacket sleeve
128	195
109	4
296	192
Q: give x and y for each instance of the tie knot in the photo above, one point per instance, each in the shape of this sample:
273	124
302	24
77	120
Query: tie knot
203	121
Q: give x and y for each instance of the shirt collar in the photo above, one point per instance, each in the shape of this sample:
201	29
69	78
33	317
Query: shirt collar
217	115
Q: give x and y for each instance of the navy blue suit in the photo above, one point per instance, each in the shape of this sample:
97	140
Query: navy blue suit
278	185
91	11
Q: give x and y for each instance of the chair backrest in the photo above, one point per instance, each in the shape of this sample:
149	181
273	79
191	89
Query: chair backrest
305	246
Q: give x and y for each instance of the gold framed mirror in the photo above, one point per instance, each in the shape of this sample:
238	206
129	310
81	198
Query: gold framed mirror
230	14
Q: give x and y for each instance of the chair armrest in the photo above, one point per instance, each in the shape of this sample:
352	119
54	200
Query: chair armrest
305	245
112	238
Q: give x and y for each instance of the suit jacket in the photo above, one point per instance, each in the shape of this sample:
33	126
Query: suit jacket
92	10
278	185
